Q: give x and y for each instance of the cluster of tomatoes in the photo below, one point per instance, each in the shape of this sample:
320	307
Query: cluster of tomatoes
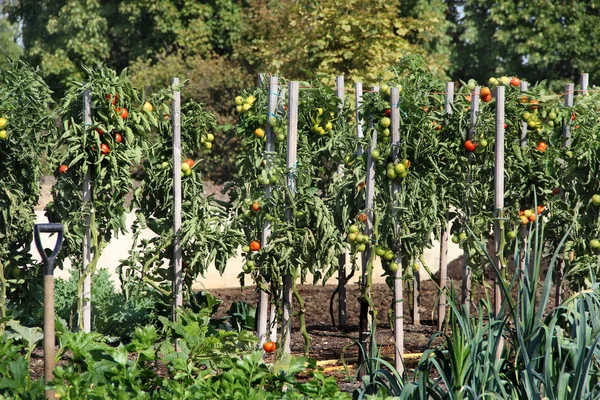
250	249
530	215
242	105
322	126
398	170
186	167
3	123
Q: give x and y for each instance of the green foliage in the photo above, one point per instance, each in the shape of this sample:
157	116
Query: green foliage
101	153
113	313
526	39
205	235
8	43
25	135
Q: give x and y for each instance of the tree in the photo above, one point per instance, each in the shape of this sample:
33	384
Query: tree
354	37
8	44
538	39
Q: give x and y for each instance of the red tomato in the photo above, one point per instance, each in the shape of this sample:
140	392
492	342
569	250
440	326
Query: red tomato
256	206
269	347
100	131
118	138
254	245
112	98
541	147
388	112
515	82
104	148
190	162
362	217
470	146
63	168
122	111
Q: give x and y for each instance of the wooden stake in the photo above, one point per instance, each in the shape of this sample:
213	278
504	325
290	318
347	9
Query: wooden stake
499	195
398	302
524	228
466	283
263	299
445	230
364	325
177	261
569	89
286	323
86	319
342	314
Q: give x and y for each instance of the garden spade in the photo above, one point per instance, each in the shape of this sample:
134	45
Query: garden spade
49	334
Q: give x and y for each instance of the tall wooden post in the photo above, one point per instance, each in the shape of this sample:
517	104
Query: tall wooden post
499	195
445	230
569	90
398	303
286	324
364	326
177	261
342	314
524	229
263	299
466	283
86	318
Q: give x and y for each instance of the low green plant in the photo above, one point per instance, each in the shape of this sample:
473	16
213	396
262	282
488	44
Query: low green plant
113	313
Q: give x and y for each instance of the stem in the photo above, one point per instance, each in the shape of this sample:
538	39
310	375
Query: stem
301	313
2	297
91	268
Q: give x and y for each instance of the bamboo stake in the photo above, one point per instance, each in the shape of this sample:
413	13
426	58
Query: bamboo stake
286	323
86	317
445	230
364	325
524	228
499	197
466	283
177	261
569	89
398	303
263	300
342	314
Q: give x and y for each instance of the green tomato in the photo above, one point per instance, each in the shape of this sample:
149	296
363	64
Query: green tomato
361	247
353	228
595	244
391	173
455	239
389	255
462	236
246	249
385	122
394	266
511	235
596	200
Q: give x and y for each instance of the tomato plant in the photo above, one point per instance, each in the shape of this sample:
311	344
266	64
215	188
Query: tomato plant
26	133
92	153
205	234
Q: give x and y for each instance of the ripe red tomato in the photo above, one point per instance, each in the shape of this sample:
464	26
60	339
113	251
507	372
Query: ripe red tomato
388	112
515	82
541	147
256	206
100	131
190	162
122	111
540	209
112	98
269	347
362	217
63	168
104	148
118	138
485	91
534	104
254	245
470	146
